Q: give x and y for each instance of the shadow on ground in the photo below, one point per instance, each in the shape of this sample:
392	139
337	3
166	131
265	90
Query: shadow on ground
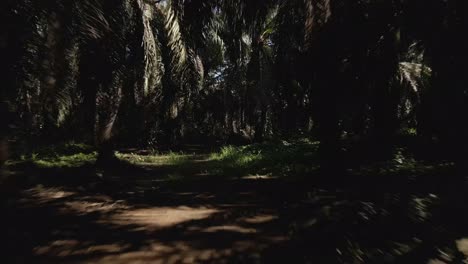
131	214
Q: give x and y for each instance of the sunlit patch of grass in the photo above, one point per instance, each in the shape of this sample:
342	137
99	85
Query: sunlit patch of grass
66	155
64	161
272	159
238	156
171	158
277	158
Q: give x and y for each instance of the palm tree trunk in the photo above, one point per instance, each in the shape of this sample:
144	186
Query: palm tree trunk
109	97
88	84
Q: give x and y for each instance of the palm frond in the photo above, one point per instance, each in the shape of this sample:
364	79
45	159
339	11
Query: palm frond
414	74
412	69
152	74
94	24
318	13
175	38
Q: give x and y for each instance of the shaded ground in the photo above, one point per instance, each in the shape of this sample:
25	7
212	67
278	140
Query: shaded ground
182	211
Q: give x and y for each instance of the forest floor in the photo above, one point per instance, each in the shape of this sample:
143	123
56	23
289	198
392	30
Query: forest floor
253	204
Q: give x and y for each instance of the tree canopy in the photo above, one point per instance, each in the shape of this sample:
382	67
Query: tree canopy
160	73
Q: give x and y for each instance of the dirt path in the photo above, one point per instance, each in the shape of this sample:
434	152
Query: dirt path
65	226
144	218
144	215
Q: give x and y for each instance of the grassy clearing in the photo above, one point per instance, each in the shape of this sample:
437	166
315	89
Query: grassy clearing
272	159
68	155
269	159
300	158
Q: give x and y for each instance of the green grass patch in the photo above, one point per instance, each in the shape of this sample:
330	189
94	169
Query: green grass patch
171	158
278	158
65	161
68	155
275	159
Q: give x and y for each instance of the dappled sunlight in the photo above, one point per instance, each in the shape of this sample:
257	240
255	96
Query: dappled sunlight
100	228
260	219
230	228
235	221
72	201
243	205
258	177
160	217
436	261
462	246
192	252
157	160
180	252
70	248
86	207
44	195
